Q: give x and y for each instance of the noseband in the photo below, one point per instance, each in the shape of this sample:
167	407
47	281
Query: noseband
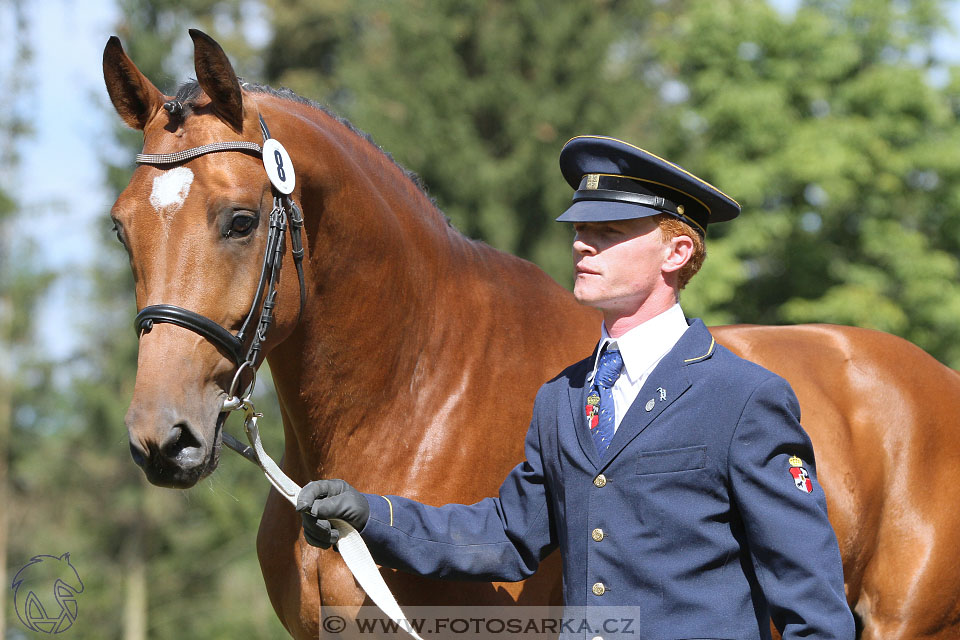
284	209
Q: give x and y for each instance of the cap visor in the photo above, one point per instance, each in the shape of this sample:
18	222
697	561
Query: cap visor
605	211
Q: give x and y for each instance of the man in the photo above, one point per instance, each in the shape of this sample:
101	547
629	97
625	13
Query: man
674	477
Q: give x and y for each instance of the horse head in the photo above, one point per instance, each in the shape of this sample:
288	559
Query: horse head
196	232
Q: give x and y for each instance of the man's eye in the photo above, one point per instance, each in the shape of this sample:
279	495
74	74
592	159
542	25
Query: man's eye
241	225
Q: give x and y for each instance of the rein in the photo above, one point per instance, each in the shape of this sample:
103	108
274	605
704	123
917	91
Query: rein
279	169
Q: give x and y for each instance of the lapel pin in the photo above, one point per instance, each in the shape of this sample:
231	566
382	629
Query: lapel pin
663	393
650	404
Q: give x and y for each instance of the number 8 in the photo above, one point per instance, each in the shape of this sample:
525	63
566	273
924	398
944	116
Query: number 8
280	172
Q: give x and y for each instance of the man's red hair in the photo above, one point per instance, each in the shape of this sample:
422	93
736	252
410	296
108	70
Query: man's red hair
670	228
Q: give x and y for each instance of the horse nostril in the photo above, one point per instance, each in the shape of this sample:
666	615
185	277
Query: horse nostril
139	457
182	445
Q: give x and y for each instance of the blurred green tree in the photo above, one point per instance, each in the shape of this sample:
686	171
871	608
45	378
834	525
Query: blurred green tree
22	284
155	563
832	129
477	98
831	124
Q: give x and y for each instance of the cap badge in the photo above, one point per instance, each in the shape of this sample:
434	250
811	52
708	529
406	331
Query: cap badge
593	181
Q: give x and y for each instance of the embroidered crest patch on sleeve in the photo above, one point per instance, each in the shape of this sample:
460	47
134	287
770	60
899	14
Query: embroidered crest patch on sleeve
801	479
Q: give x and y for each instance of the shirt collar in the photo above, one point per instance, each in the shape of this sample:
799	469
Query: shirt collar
644	345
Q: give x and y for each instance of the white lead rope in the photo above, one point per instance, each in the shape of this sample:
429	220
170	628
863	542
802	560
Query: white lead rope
351	546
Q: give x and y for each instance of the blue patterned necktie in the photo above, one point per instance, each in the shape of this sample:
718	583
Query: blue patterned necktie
600	409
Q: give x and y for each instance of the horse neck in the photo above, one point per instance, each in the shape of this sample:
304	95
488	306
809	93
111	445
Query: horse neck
378	269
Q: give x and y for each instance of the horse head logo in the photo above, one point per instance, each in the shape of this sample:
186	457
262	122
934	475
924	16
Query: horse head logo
45	593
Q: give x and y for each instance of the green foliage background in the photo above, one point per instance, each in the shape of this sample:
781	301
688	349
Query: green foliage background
834	125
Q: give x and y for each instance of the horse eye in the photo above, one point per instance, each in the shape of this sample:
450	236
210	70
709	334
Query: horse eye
241	225
116	230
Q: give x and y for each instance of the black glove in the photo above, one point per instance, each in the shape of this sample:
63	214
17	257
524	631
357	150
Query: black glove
321	500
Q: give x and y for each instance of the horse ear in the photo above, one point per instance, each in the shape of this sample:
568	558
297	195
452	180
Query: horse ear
217	79
133	96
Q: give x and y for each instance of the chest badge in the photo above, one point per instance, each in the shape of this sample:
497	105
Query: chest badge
662	392
650	403
801	479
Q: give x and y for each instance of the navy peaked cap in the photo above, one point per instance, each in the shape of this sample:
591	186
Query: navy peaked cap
614	180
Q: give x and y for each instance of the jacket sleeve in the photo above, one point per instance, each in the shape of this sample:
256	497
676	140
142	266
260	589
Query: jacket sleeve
784	511
502	538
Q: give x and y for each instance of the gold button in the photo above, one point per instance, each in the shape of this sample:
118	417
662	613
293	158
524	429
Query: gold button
600	480
597	534
599	589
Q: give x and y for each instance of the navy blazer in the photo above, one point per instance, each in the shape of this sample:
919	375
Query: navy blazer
702	520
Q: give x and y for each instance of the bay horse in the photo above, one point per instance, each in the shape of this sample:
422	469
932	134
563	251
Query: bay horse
413	365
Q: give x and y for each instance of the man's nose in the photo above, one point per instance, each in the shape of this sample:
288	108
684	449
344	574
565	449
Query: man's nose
581	246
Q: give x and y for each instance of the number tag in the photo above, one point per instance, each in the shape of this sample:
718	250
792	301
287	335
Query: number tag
279	166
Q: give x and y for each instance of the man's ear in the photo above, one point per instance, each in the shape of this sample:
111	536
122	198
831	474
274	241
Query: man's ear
679	251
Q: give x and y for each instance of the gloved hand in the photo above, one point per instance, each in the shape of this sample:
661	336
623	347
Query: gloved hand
321	500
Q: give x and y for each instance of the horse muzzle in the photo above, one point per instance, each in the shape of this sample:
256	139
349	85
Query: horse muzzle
174	453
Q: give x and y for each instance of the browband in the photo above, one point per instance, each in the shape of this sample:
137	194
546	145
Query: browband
195	152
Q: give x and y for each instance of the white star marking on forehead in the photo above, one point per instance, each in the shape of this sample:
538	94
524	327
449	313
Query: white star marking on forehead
170	190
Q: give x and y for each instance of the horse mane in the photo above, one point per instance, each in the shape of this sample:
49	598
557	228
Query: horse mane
189	91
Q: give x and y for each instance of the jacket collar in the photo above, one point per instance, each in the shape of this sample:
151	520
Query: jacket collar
667	382
644	345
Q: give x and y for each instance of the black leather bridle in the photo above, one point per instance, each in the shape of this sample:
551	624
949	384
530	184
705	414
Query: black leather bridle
284	210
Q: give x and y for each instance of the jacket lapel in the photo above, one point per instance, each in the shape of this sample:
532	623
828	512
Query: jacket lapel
667	382
577	400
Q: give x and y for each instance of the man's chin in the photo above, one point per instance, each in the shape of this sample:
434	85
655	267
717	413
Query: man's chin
590	298
583	295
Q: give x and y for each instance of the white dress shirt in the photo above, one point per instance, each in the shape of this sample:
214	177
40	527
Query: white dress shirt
642	348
